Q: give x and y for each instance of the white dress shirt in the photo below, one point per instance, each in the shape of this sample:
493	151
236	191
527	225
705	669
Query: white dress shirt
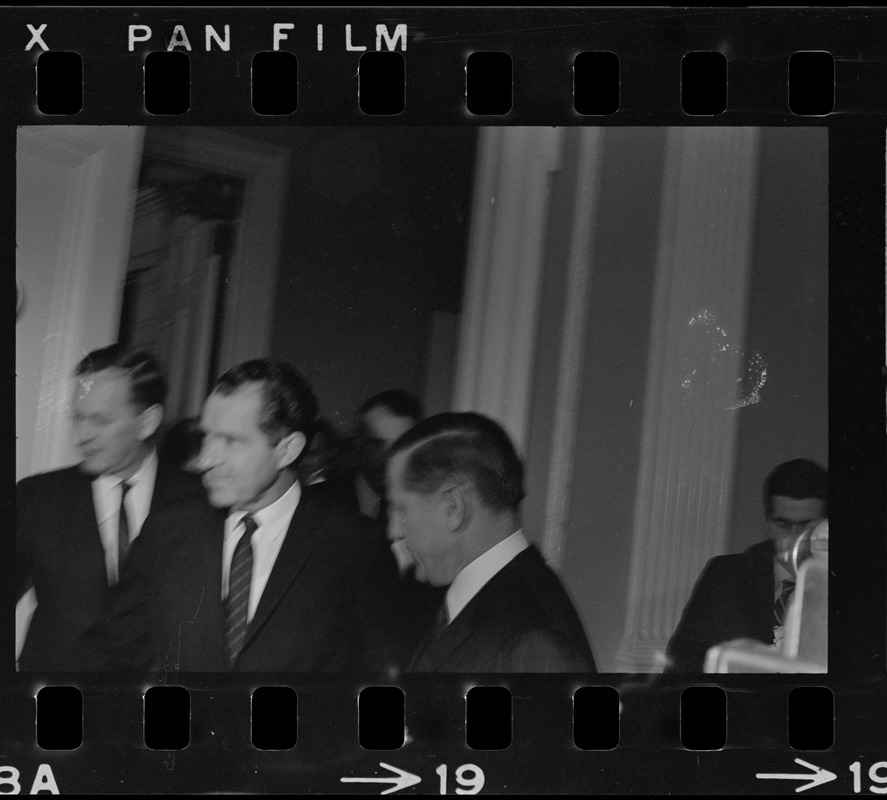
273	522
106	493
780	574
473	577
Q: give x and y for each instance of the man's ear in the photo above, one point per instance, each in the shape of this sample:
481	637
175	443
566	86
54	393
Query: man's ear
149	421
289	448
456	508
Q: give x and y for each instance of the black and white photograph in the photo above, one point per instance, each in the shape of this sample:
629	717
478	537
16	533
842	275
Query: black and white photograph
627	326
447	400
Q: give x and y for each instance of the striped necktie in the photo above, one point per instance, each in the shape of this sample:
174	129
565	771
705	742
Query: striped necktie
122	529
239	582
781	604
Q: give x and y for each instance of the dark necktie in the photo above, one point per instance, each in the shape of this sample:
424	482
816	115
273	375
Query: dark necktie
781	604
122	529
239	581
435	632
382	513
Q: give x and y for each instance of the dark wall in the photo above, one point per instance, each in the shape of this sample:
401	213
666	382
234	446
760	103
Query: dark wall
788	320
375	238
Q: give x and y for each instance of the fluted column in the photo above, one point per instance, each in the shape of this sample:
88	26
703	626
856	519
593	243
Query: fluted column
695	370
500	307
574	335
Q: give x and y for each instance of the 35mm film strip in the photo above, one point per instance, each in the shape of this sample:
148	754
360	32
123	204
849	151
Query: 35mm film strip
648	242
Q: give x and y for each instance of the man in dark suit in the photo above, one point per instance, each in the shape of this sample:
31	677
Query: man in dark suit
74	525
262	578
745	595
455	486
381	419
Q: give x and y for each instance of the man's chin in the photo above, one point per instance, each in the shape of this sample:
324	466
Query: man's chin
219	501
421	575
91	468
216	499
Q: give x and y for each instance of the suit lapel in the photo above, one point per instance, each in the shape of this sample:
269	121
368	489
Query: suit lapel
463	626
765	600
294	553
212	543
162	486
172	484
449	641
82	537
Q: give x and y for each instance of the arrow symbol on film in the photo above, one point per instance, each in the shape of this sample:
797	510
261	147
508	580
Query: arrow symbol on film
401	780
815	778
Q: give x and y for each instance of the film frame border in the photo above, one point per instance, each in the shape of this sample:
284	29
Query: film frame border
758	43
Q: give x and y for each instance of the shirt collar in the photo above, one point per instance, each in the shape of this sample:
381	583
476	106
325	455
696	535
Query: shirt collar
279	510
781	573
473	577
147	467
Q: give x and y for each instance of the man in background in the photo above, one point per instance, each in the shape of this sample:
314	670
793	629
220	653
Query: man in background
745	595
380	421
74	526
455	485
263	577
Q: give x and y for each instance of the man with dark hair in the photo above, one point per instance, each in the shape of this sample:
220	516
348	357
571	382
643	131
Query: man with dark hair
380	421
745	595
263	578
455	484
74	526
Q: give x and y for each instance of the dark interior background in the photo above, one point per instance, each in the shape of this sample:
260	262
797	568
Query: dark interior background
374	241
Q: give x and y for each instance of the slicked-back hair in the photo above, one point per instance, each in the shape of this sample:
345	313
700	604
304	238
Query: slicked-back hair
463	446
396	401
289	404
799	479
146	382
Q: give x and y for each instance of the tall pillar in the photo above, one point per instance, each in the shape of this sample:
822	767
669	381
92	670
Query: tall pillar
694	373
574	334
500	307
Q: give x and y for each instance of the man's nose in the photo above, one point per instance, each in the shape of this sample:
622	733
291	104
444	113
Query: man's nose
83	433
207	457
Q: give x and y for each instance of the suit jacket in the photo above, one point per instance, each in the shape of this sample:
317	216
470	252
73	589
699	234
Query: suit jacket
322	610
733	599
413	604
521	621
59	552
340	490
